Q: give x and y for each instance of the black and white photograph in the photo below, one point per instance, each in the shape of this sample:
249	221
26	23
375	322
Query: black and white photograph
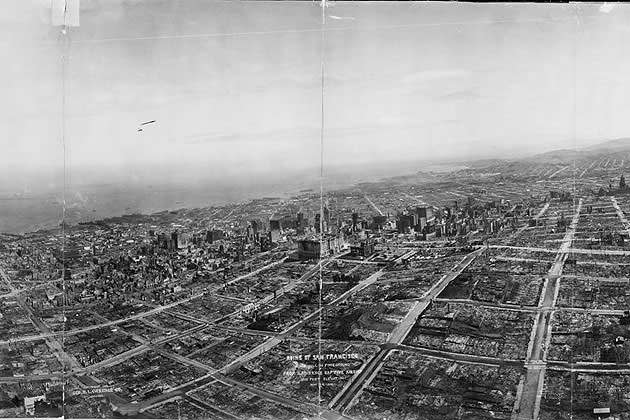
300	210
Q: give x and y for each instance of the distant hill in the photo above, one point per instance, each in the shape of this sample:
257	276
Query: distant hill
569	155
617	145
612	155
557	156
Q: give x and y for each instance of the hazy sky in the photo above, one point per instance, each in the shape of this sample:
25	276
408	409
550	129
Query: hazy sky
236	86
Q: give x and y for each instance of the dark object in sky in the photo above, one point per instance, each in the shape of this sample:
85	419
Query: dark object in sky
140	129
148	122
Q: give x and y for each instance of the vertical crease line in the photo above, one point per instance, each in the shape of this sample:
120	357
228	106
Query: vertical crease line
64	58
321	210
575	199
575	97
